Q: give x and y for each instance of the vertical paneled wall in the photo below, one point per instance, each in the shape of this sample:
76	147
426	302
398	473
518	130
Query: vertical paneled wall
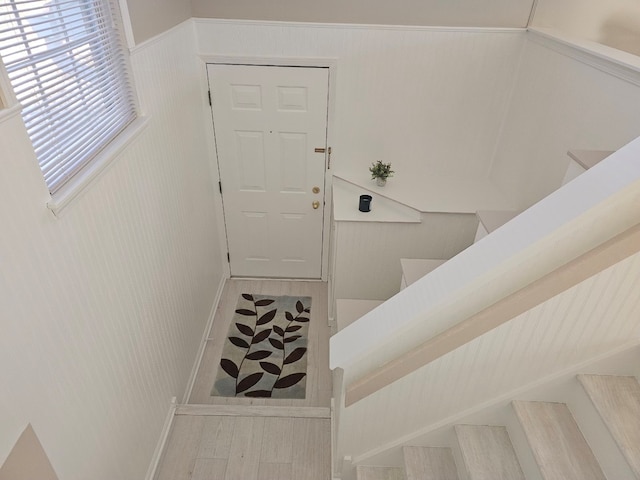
102	309
367	264
432	98
563	100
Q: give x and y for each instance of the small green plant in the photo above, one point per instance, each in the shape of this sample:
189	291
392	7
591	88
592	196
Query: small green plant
380	170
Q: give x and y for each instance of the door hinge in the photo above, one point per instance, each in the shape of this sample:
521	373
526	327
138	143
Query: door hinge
220	187
209	93
228	258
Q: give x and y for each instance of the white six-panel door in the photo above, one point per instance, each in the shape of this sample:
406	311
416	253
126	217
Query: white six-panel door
268	122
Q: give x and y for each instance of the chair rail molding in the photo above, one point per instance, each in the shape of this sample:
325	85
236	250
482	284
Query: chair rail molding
623	65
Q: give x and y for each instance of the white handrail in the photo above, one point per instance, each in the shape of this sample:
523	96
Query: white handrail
411	309
537	292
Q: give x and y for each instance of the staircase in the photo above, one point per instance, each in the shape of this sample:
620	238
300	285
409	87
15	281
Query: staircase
454	376
544	442
348	310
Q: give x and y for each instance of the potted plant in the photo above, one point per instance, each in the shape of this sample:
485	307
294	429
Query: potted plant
380	172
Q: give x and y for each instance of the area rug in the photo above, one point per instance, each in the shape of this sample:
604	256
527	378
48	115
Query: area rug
265	353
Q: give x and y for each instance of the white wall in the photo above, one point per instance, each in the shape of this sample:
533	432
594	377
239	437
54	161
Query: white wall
615	23
410	96
469	13
564	98
102	310
152	17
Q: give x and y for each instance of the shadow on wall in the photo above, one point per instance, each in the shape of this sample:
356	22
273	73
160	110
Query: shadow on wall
622	30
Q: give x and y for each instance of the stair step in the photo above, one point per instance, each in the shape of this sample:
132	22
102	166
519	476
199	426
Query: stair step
348	310
558	446
426	463
617	400
379	473
488	453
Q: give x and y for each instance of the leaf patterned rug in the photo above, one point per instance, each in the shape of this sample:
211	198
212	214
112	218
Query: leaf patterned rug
265	353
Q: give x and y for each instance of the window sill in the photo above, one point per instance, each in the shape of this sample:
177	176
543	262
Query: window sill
80	183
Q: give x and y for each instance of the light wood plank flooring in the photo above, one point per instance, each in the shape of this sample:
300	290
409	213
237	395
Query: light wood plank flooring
218	438
247	448
488	453
558	446
617	399
424	463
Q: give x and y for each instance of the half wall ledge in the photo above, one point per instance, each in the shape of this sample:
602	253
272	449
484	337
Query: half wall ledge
434	193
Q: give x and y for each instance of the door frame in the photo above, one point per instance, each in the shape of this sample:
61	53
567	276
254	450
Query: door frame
329	63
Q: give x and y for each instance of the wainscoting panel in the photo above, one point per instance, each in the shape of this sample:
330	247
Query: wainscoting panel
425	99
102	309
367	254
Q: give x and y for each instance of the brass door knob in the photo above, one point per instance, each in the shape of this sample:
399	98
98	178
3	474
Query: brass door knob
315	205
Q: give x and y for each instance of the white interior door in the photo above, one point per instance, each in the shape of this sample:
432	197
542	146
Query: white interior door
268	122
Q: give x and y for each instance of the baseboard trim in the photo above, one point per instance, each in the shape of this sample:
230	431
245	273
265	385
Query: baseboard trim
253	411
334	471
162	441
276	279
203	341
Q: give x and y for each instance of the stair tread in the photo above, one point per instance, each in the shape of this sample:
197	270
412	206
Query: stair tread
379	473
429	463
488	453
558	446
617	400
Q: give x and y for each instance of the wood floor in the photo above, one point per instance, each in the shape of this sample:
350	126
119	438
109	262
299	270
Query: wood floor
230	438
246	448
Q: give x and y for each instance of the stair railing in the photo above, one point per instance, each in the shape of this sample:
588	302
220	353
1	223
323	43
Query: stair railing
419	325
535	293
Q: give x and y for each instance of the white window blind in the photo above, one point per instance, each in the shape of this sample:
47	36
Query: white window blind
68	68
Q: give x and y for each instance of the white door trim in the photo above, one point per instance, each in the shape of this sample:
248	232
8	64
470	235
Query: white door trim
331	64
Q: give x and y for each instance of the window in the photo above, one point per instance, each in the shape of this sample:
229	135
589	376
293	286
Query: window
68	70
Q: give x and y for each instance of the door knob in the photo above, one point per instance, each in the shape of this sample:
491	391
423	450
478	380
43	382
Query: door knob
315	205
